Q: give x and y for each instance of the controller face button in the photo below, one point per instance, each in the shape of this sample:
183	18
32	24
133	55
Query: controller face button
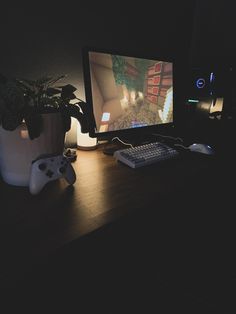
42	166
62	169
49	173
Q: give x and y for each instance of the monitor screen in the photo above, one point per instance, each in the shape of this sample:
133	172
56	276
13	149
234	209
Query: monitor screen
127	93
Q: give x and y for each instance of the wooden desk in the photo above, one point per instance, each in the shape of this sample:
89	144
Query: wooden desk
171	196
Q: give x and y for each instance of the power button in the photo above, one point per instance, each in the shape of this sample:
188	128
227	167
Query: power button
200	83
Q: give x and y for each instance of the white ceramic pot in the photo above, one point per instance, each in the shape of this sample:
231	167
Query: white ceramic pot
17	150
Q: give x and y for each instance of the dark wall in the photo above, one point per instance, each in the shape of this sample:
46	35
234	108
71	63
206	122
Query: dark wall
213	49
214	46
40	39
214	39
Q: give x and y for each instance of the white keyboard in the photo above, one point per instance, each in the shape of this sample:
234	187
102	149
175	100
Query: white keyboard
146	154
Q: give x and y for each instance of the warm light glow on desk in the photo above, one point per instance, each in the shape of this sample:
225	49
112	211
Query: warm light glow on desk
24	134
84	141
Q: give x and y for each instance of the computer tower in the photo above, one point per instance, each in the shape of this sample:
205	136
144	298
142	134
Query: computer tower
210	102
210	90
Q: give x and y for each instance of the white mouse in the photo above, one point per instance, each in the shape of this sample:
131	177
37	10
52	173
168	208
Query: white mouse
201	148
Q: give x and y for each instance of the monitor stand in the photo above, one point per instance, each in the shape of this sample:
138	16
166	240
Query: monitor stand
111	146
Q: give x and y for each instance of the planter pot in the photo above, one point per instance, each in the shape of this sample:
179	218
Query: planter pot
17	150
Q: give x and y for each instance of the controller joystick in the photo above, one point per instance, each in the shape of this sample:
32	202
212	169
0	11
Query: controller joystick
50	168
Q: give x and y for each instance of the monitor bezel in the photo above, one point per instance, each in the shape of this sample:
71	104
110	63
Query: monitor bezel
129	132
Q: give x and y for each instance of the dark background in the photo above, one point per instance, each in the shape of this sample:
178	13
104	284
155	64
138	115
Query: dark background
40	38
45	38
213	34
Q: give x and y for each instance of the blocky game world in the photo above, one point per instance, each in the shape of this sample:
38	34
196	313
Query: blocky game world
130	92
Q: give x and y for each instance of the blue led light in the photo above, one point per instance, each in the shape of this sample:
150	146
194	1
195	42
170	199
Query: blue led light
212	77
200	83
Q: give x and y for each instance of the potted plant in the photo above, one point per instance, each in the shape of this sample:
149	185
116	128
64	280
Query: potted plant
34	117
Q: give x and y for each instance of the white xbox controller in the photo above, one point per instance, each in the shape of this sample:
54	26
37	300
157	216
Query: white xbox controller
50	168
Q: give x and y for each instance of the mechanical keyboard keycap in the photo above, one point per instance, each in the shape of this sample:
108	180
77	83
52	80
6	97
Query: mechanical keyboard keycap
146	154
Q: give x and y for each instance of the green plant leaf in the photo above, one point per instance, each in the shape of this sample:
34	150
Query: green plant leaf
26	82
83	106
67	92
43	80
66	121
27	99
74	111
34	123
26	88
52	91
11	122
54	80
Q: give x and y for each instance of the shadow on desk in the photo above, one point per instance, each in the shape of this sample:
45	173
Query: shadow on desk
139	264
160	239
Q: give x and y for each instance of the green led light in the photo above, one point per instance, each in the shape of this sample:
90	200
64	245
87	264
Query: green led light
193	100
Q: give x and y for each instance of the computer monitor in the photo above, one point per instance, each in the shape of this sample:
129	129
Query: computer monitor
128	95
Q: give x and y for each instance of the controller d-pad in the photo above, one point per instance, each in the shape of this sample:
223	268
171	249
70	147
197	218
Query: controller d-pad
49	173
